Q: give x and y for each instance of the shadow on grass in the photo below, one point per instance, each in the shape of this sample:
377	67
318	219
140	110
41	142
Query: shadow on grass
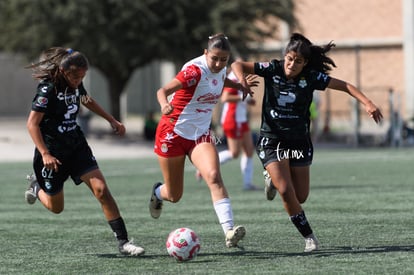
238	252
323	252
333	251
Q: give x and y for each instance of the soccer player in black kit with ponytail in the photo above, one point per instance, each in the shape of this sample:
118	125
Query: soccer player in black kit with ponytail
284	146
61	147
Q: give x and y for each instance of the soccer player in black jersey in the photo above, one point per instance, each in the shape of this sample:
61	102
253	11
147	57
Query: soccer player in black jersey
284	146
61	147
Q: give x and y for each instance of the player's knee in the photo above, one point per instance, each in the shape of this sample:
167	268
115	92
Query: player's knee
102	193
213	176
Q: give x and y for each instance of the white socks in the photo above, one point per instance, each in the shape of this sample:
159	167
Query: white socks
224	214
158	192
225	156
246	167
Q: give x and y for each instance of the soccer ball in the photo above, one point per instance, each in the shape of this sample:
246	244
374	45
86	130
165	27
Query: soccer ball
183	244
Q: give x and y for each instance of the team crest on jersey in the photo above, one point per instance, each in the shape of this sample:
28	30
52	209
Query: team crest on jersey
302	83
263	65
191	82
214	82
41	101
164	148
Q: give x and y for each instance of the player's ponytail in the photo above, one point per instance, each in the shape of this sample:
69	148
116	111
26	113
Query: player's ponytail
56	58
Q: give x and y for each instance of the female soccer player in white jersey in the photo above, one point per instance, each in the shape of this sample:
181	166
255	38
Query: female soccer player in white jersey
184	130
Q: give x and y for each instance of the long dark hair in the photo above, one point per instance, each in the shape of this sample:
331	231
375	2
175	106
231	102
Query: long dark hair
54	59
315	55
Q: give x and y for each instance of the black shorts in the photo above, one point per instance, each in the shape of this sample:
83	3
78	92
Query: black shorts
298	151
75	163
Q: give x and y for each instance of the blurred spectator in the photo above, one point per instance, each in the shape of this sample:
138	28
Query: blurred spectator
150	126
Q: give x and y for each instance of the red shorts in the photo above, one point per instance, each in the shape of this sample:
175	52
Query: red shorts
237	130
169	144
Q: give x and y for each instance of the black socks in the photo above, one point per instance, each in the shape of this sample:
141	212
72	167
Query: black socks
301	223
119	229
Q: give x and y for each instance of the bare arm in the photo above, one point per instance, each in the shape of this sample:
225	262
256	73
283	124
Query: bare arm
370	107
117	126
241	69
33	122
251	82
164	92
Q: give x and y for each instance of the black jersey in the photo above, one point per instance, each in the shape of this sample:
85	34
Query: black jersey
285	107
60	105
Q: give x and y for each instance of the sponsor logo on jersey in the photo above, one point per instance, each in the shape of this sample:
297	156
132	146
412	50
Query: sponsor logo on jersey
209	98
203	110
285	98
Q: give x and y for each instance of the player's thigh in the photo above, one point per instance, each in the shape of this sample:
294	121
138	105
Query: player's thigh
279	172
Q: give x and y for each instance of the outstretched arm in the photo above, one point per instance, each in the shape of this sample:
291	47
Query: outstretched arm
370	107
241	69
117	126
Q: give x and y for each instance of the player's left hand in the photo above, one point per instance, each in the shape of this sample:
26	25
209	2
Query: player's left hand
374	112
118	128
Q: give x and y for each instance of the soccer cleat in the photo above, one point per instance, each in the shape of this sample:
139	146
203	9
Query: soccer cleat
233	236
270	190
31	193
155	205
131	249
311	243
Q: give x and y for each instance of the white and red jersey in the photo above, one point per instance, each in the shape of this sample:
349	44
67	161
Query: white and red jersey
233	113
194	103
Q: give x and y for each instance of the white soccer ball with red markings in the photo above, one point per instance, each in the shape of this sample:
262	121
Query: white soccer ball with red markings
183	244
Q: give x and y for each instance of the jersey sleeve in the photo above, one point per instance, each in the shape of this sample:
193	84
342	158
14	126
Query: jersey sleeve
43	97
320	80
82	90
189	76
268	69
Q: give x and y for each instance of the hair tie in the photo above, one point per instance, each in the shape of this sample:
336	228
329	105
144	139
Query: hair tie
69	51
218	35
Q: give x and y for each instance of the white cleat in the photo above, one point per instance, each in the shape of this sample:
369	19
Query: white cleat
233	236
31	193
311	243
270	190
131	249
